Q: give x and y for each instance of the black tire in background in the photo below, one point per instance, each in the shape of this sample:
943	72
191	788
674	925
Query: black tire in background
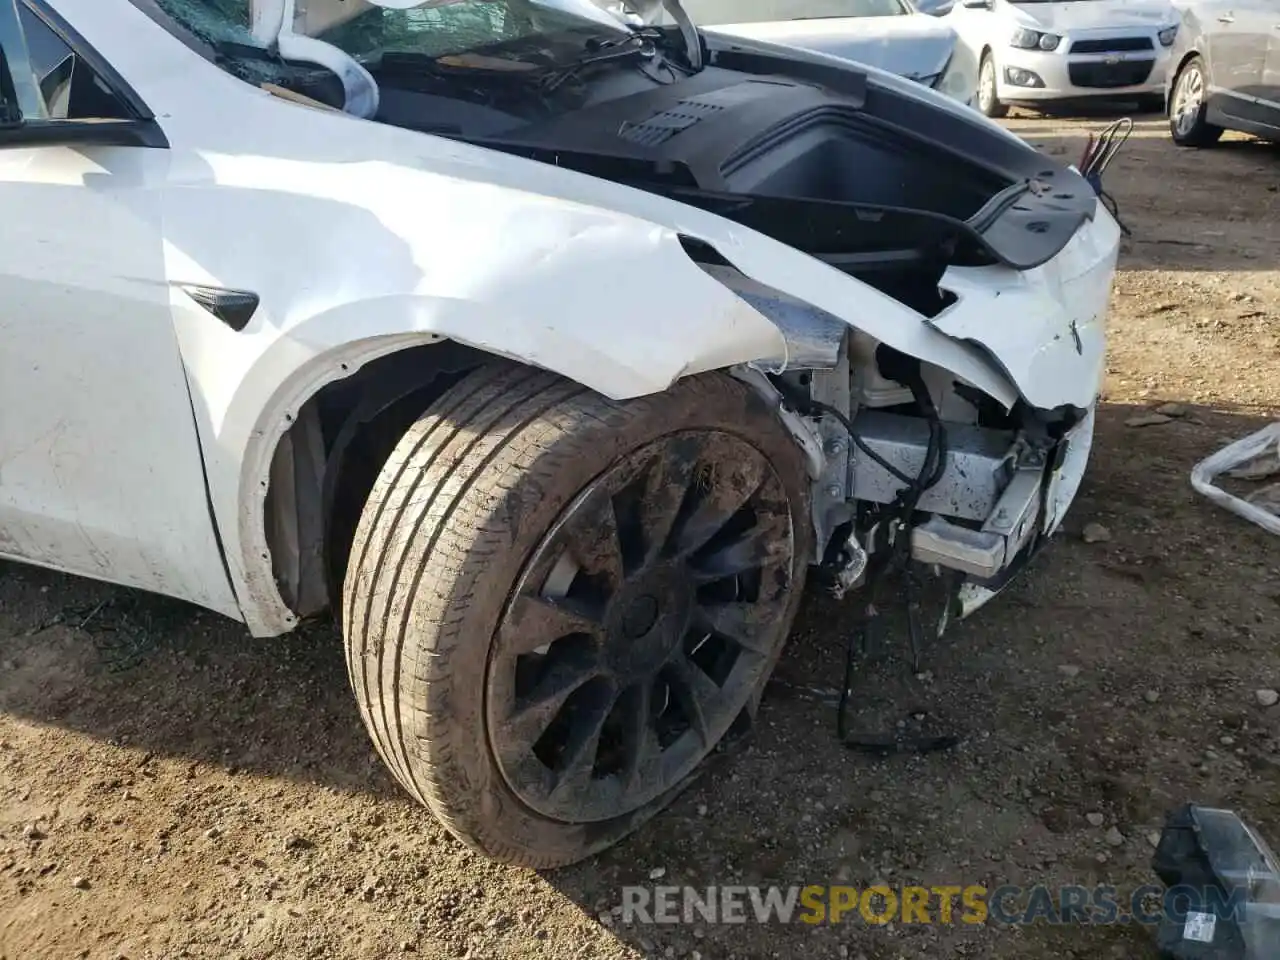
557	604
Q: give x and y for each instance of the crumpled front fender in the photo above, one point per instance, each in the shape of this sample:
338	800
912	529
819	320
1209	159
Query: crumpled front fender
608	297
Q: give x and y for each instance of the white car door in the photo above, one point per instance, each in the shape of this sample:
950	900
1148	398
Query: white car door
100	464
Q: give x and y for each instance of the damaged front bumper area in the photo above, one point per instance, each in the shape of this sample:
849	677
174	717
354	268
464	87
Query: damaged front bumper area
1001	493
908	456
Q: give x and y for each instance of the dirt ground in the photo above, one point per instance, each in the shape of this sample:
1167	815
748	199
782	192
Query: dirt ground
171	788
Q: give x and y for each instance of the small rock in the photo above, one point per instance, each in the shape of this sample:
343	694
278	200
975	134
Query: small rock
295	842
80	883
657	873
1153	838
1069	670
1095	533
702	809
213	833
407	946
32	832
1151	696
1148	420
1095	819
1101	857
1267	698
1114	838
605	918
1226	740
1172	410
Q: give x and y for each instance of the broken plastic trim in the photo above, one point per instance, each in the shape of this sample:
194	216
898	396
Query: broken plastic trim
812	338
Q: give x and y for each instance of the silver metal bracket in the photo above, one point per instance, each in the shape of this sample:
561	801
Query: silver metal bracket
854	569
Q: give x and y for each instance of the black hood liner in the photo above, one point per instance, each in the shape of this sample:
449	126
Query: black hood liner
889	176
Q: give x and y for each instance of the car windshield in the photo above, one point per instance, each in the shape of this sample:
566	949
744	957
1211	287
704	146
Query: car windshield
711	12
435	28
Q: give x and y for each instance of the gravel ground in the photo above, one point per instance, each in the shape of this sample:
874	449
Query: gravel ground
171	788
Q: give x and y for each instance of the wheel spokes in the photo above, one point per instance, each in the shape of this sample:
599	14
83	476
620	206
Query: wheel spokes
663	495
535	712
717	501
766	542
746	624
536	622
613	671
696	694
593	541
641	750
581	746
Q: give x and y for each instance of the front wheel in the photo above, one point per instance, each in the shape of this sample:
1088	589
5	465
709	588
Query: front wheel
1188	107
988	99
557	605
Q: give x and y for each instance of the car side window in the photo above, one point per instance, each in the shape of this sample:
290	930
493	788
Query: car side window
69	87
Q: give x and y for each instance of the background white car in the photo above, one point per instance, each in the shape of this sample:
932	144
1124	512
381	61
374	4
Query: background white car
889	34
1032	51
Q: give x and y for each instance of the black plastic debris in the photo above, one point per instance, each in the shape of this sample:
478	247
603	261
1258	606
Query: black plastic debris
1222	896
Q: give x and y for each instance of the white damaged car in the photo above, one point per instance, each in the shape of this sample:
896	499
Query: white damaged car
549	354
1036	51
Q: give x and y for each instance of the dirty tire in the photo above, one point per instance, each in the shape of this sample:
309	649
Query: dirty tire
1188	107
988	98
465	511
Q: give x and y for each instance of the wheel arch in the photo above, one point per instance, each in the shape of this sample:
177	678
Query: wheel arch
1195	53
325	463
316	449
295	477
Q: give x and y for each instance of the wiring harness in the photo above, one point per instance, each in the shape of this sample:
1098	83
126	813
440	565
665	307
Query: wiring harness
899	518
1099	151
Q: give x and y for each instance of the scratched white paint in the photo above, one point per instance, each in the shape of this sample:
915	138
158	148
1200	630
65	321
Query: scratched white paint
362	239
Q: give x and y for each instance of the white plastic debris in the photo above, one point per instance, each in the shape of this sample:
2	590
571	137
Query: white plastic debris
1253	457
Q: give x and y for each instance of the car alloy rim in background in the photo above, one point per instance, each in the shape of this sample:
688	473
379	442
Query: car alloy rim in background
641	627
1188	100
987	83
